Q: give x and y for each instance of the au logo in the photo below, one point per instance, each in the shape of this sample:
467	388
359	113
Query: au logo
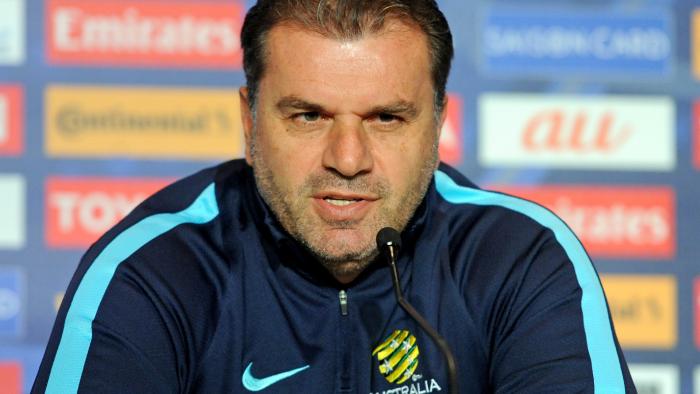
397	356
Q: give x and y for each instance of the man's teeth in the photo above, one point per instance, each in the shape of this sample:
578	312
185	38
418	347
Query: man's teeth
339	203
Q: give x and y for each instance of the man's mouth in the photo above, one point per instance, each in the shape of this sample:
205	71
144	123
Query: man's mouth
343	206
340	202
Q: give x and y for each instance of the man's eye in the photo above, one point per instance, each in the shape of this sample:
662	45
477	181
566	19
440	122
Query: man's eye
387	118
308	116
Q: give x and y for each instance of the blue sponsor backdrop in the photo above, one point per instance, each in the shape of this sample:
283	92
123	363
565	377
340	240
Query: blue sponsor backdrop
566	42
575	47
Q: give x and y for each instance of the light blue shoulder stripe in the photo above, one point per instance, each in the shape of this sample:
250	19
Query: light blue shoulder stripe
75	341
607	374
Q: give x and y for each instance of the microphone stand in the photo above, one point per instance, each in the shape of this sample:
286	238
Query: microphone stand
391	247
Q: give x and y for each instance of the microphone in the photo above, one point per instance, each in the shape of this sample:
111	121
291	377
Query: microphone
389	243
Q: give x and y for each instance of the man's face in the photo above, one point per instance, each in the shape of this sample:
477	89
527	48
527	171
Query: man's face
345	138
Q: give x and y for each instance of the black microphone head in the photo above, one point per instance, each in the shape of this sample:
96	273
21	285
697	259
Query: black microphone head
388	237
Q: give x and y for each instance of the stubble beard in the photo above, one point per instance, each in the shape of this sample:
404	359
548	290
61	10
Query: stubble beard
341	256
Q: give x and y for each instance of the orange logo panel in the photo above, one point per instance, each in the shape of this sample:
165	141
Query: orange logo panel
11	119
80	210
614	222
172	123
182	33
644	309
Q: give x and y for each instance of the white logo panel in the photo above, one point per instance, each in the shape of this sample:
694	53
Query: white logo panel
11	32
12	211
577	132
656	378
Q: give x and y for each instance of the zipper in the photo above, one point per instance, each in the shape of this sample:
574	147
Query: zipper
345	373
343	298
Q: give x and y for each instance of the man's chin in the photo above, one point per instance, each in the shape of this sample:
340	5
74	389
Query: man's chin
345	264
343	245
344	252
346	258
345	271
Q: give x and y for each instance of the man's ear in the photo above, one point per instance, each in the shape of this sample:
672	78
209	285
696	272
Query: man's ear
247	121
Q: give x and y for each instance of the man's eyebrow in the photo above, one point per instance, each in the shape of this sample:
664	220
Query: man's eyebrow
406	108
294	102
403	107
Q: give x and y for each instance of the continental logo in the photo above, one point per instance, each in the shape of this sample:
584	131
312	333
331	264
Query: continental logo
11	120
577	132
644	310
451	141
695	42
135	33
92	121
79	210
397	356
613	222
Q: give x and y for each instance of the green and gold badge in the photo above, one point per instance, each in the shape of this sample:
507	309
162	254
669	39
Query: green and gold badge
397	356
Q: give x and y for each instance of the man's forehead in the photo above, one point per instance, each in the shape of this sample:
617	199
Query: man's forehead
377	70
293	44
343	31
395	28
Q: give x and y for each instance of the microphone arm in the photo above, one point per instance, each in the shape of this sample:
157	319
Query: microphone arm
389	242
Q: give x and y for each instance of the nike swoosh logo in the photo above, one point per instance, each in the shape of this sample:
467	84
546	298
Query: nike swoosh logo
252	383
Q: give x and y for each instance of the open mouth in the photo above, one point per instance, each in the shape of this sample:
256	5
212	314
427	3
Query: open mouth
340	202
343	206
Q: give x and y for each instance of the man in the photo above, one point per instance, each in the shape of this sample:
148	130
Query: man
263	274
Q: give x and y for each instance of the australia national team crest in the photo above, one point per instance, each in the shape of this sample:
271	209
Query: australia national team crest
397	356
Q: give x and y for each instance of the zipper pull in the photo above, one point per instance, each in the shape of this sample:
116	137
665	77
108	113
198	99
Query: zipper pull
343	297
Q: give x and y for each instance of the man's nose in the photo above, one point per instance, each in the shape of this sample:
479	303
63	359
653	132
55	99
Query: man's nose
348	150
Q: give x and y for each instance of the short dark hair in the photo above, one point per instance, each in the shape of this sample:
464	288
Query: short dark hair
346	19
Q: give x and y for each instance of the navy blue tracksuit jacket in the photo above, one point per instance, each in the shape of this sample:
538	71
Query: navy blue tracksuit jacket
200	290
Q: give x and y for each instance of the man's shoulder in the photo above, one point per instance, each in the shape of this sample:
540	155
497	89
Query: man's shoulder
190	199
466	203
525	277
171	221
509	241
168	249
500	223
180	194
155	273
